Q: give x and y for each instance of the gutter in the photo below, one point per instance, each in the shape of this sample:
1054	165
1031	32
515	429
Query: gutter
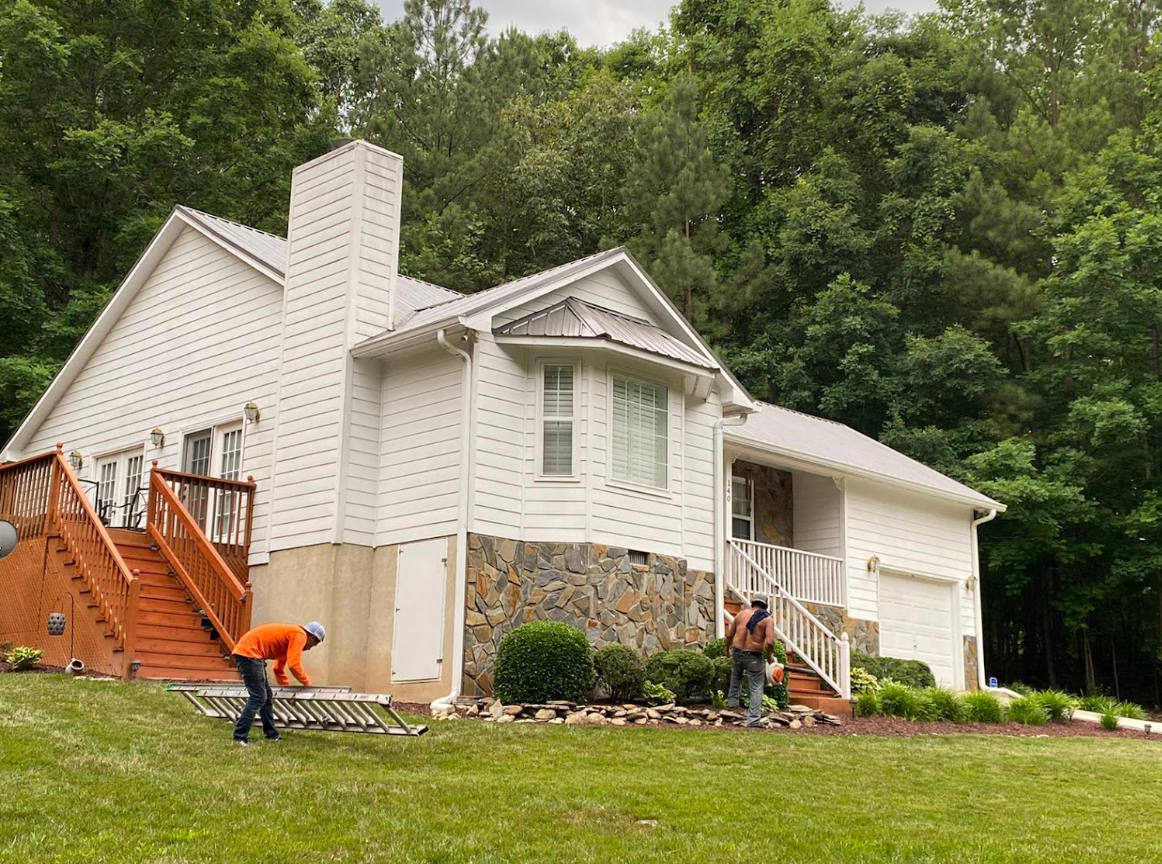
720	520
463	517
980	679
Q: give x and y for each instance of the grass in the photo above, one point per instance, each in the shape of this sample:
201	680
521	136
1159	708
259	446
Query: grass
110	772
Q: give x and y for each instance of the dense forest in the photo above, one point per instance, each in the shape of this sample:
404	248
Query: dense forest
944	231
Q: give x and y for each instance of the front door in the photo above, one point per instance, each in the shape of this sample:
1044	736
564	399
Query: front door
421	581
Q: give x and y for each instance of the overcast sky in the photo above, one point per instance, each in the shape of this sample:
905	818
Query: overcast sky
603	22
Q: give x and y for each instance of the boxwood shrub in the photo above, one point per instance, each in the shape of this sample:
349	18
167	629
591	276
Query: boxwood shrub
689	674
544	660
914	673
620	670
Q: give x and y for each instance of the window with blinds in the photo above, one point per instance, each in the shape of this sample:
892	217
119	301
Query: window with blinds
640	432
557	401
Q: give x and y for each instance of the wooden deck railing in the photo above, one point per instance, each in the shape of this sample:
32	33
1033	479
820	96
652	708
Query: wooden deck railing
185	511
41	496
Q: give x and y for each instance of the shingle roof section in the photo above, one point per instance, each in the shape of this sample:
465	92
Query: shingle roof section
509	291
574	318
814	438
270	250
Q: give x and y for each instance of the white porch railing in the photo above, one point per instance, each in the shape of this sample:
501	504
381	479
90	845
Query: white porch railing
806	576
802	633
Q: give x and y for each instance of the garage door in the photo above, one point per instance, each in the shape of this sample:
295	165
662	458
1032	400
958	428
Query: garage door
916	623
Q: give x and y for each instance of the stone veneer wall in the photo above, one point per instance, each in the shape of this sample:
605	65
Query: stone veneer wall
654	606
773	503
970	658
863	635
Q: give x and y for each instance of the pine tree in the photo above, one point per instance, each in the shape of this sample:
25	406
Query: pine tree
674	194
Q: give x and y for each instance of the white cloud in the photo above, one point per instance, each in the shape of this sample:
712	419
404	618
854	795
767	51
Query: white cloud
603	22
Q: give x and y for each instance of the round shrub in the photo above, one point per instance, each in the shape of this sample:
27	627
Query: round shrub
721	679
620	670
914	673
542	661
688	673
1028	711
981	707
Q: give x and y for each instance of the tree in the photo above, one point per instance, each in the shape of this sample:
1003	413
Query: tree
673	195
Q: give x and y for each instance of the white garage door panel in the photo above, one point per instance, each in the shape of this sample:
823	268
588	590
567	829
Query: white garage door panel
421	582
916	623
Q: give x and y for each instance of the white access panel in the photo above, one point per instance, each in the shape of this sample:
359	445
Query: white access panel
421	582
916	623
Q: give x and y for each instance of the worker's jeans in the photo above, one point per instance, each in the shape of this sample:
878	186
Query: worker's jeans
750	664
253	674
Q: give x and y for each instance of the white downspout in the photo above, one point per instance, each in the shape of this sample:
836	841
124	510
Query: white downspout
462	520
976	591
719	521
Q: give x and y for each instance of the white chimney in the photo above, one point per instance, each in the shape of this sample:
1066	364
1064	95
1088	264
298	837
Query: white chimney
342	260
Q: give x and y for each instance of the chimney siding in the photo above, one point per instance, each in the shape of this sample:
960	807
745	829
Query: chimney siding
343	253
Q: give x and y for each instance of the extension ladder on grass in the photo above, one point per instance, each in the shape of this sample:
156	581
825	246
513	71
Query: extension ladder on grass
320	709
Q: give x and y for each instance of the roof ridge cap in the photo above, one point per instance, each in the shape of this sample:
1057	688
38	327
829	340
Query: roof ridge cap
188	209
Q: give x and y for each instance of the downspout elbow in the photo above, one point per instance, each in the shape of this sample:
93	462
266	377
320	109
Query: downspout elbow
462	519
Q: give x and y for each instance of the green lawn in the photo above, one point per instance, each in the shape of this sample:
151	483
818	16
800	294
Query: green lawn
110	772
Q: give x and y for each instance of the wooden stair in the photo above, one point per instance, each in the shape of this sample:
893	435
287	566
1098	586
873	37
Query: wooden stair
173	641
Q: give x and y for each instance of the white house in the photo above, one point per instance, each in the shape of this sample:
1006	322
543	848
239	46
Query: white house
431	469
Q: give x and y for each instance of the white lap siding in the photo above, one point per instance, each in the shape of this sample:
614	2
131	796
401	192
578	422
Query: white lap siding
419	474
501	404
908	533
199	340
816	514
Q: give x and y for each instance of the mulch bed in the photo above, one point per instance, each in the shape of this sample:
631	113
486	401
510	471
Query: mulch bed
894	727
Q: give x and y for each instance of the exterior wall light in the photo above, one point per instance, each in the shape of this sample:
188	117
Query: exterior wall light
157	437
253	415
76	460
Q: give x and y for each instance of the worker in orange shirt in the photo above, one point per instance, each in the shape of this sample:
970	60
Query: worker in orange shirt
284	644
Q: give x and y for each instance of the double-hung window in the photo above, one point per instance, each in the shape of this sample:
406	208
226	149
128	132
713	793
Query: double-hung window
558	398
640	432
741	509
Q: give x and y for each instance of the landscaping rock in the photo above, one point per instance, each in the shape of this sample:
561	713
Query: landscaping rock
505	718
547	714
513	710
575	719
795	724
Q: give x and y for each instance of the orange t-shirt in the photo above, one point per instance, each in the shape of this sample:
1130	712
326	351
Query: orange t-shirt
282	643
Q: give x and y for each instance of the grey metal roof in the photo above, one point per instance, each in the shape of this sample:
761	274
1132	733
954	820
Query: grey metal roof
509	291
270	251
815	439
575	318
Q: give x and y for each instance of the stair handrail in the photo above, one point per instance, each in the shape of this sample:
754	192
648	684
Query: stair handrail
112	585
839	677
223	599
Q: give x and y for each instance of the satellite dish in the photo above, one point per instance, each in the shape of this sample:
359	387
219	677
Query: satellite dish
8	538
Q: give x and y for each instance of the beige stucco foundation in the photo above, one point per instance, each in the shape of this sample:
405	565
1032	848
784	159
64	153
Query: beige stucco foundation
351	590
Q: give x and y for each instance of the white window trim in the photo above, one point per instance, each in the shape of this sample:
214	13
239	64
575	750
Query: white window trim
749	484
539	395
216	427
628	485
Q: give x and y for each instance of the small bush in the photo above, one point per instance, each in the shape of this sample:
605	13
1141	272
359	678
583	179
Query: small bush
981	707
23	657
900	700
1021	688
1097	703
945	705
862	680
656	694
620	670
867	704
1109	721
542	661
1058	705
1130	709
715	649
718	700
1028	711
690	674
721	677
914	673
